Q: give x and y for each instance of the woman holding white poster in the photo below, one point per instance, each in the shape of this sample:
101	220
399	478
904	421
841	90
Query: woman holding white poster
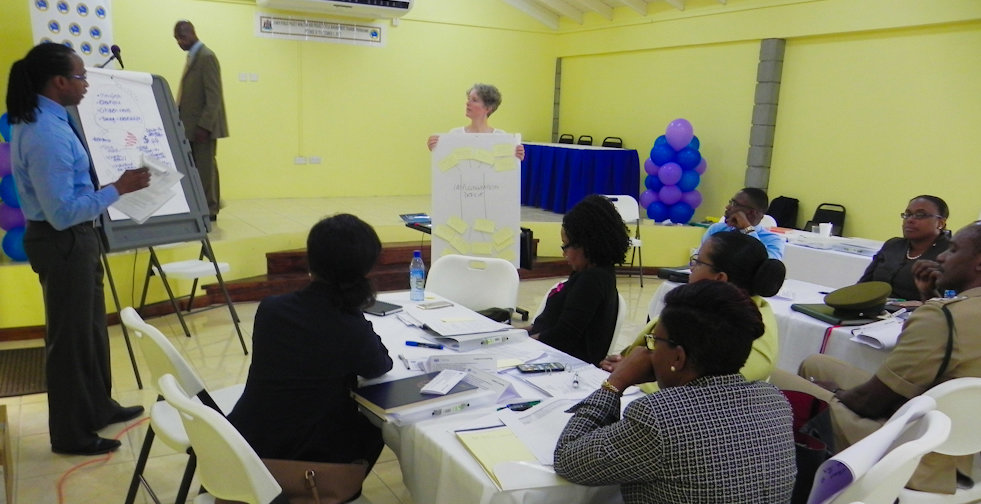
482	101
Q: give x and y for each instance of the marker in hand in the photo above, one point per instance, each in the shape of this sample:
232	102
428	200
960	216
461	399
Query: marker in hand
426	345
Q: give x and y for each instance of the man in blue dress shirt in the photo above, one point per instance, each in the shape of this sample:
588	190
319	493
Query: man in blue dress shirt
60	197
743	213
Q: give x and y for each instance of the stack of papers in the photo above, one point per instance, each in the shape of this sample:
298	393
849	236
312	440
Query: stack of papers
881	335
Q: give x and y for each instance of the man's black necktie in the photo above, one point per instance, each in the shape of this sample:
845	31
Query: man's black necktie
92	174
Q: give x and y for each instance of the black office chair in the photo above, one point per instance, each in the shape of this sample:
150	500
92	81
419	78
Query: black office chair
585	140
613	142
828	212
566	139
783	209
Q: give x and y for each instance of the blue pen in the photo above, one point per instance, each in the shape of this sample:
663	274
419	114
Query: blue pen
434	346
521	406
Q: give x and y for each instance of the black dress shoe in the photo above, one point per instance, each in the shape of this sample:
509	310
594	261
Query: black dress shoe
126	413
97	447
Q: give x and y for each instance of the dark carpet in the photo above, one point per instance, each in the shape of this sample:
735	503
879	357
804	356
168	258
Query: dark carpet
22	371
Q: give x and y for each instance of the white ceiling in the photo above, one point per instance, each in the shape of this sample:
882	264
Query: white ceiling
548	12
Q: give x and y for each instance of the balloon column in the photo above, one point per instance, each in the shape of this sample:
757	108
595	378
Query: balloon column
674	170
11	217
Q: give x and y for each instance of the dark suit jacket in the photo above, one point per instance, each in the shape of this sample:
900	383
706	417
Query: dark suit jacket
580	318
306	358
201	100
891	265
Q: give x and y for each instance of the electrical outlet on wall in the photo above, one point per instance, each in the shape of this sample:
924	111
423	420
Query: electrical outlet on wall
315	160
298	160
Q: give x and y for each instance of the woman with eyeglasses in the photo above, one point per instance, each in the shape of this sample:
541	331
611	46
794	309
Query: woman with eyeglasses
709	435
925	236
741	260
580	314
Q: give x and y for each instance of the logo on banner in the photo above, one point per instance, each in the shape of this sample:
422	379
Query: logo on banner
85	47
100	12
62	7
54	27
75	29
104	50
95	32
41	5
82	9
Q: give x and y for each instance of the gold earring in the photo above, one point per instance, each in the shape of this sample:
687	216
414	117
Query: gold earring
673	369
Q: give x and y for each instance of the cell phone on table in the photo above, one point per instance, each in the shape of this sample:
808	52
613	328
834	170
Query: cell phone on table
432	305
541	367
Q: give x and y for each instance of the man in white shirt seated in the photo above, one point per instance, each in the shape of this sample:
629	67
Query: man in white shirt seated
743	213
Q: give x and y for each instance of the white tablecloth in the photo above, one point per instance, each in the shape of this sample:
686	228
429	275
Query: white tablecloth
824	266
436	468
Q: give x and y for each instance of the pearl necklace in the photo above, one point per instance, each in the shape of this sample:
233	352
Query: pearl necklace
913	258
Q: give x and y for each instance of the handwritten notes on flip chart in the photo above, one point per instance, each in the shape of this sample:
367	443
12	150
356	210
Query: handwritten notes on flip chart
122	124
476	189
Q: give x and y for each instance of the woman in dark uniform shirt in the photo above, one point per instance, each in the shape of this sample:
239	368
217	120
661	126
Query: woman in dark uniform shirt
925	236
309	348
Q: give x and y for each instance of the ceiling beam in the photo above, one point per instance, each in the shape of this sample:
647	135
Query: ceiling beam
598	7
534	10
680	4
639	6
564	9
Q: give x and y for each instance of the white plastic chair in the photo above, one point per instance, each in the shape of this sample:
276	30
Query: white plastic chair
960	399
229	467
475	282
883	462
768	222
163	358
629	211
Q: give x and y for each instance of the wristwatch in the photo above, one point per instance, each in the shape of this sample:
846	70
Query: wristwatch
747	230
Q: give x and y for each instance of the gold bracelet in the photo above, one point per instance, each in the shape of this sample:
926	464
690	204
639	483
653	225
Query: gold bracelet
609	386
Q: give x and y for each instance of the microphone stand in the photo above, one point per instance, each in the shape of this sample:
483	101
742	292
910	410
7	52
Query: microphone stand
107	61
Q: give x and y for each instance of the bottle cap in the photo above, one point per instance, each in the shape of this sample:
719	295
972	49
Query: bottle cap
949	293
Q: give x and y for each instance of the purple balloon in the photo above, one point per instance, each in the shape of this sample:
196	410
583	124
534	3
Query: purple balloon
669	194
688	158
669	173
5	164
693	198
647	197
701	167
653	183
680	213
657	212
650	167
11	217
679	134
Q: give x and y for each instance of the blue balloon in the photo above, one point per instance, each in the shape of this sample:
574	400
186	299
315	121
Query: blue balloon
653	183
689	180
681	213
661	141
688	158
694	144
5	127
13	244
662	154
657	211
8	192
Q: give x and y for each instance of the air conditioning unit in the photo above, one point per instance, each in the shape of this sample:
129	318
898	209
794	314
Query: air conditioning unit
373	9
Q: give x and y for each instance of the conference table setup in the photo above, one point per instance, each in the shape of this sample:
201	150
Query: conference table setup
555	177
801	335
436	466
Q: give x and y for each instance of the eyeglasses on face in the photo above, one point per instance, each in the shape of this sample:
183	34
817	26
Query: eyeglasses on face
918	215
566	246
652	341
83	78
694	261
733	203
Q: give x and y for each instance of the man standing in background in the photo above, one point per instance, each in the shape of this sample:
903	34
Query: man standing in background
202	109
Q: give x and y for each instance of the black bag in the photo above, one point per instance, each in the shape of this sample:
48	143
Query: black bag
812	439
784	211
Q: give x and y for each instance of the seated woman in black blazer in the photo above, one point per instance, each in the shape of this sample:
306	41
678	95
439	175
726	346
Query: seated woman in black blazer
925	236
309	347
581	313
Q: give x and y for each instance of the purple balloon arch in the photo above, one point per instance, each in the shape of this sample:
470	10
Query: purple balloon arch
674	171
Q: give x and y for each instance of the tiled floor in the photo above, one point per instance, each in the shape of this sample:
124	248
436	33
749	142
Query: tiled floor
214	351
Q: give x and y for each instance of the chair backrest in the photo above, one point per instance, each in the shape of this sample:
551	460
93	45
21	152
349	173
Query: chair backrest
585	140
621	315
958	398
160	355
566	138
768	222
783	209
612	141
885	479
226	465
626	206
829	212
541	305
475	282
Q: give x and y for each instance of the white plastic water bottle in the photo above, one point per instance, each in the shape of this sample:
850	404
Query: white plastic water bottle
417	277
